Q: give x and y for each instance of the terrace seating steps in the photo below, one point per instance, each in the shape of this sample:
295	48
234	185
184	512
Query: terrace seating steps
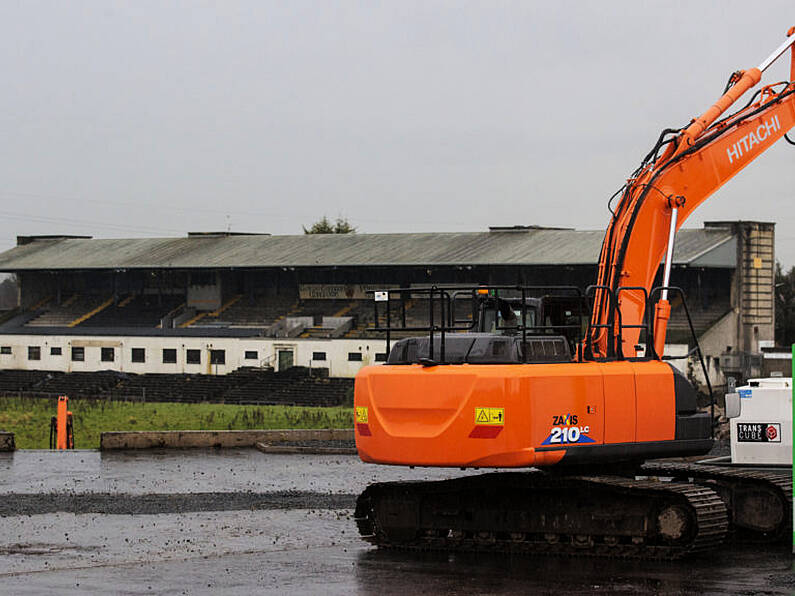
249	386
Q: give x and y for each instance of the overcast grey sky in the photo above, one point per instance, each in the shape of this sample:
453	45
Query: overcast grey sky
124	119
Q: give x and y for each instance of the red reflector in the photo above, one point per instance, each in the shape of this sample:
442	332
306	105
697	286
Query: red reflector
364	430
481	431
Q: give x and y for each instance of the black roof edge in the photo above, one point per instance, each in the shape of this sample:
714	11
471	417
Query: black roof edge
529	228
23	240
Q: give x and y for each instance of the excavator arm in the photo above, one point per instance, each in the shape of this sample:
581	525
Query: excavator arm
684	169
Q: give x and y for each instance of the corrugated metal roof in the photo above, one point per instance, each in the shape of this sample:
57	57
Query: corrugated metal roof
530	247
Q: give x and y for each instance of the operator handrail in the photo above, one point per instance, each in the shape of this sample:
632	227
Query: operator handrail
443	300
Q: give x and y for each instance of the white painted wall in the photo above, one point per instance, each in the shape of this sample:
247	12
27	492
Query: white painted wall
336	350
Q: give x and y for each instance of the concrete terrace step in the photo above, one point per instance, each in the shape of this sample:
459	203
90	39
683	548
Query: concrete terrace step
251	386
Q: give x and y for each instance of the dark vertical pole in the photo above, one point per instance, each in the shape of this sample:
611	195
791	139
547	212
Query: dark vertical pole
611	322
430	340
442	297
388	326
649	352
524	326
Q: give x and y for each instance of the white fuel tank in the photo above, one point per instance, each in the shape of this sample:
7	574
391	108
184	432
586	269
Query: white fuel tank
762	433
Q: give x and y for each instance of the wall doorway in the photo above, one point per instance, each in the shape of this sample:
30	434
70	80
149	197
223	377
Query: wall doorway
285	359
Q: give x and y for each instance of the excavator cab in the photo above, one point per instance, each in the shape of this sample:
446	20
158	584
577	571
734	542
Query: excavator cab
504	316
492	325
552	313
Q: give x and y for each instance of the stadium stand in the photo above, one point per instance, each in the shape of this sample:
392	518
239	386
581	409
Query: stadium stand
246	311
279	290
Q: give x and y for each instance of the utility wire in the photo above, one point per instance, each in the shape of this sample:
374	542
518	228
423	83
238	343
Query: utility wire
84	223
265	214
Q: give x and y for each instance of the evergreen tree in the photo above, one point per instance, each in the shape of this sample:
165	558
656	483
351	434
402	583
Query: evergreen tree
324	226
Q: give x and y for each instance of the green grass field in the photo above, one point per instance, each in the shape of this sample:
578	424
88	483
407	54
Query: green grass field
29	418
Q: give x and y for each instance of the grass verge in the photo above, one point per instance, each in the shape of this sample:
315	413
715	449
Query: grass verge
29	418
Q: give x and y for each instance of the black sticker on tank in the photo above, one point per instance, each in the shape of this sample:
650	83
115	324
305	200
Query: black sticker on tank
758	432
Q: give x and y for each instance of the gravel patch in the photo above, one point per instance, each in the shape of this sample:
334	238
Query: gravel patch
120	504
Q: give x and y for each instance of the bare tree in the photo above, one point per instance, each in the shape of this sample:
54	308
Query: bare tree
9	293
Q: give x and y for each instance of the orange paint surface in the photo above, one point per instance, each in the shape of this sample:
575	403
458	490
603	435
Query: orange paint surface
62	413
425	415
620	402
656	402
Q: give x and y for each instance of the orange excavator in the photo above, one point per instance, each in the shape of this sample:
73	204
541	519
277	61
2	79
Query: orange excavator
582	418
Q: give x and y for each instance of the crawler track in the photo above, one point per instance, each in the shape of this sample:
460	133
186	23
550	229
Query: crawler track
534	513
759	501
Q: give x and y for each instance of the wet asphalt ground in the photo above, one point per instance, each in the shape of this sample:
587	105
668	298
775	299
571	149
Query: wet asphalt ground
241	522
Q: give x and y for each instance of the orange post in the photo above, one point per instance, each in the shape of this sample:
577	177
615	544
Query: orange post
662	312
63	414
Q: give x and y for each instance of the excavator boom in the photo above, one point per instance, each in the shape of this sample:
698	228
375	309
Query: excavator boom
693	163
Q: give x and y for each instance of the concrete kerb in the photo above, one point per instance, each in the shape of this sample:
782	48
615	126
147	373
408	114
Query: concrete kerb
186	439
268	448
7	441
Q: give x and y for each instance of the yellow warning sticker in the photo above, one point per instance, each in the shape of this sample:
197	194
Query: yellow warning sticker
490	416
361	415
